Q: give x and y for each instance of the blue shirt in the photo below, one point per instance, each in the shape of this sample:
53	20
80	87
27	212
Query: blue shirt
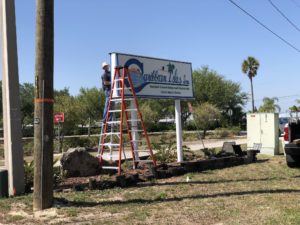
106	77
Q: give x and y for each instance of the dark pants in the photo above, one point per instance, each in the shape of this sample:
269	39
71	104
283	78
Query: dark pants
105	111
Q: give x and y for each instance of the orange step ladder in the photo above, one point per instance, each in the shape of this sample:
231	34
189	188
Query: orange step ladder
117	134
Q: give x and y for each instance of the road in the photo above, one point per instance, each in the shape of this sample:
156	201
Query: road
214	143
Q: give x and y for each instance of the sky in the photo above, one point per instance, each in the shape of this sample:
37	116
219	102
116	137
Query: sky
204	32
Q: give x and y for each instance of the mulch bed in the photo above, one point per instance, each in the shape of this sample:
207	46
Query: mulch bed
147	172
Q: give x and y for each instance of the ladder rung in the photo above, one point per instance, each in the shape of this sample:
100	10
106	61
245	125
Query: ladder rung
133	120
120	79
110	133
113	122
120	99
141	151
110	167
136	130
109	144
119	110
122	88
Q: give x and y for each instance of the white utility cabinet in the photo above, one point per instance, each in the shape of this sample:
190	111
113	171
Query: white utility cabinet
263	128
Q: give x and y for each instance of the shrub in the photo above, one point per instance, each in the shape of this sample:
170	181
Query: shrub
206	115
190	125
29	175
73	142
215	153
167	150
28	147
227	132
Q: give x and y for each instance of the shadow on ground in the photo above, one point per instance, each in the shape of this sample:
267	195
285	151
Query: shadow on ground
209	182
67	203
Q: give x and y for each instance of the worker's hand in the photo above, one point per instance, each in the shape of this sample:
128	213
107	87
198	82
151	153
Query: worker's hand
106	82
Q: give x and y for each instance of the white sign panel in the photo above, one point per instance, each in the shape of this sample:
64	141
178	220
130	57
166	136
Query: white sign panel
156	78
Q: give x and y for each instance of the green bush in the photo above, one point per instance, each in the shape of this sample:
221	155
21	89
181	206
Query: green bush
29	175
160	127
73	142
227	132
28	131
215	153
166	150
190	125
192	136
28	147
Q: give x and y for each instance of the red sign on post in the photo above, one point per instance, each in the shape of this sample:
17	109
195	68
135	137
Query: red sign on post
59	117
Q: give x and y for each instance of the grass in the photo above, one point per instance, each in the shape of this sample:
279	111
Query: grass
267	192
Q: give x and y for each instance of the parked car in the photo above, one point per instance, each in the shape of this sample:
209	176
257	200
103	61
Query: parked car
292	142
282	122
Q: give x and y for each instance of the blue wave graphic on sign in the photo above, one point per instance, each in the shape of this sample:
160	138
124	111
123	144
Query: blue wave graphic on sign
136	70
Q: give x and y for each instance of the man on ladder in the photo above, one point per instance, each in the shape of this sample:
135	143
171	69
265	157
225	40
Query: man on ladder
118	144
106	86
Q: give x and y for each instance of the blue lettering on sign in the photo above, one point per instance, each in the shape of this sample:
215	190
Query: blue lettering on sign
140	80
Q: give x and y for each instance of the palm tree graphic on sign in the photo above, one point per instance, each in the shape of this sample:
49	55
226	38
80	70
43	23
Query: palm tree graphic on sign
171	68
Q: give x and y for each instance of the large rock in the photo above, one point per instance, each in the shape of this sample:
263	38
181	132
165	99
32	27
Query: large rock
77	162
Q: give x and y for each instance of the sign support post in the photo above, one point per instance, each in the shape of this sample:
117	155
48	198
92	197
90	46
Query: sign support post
178	130
135	134
11	99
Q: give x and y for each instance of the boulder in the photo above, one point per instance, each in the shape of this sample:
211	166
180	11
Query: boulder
77	162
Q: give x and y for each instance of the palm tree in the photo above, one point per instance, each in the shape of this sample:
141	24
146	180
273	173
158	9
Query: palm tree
250	67
269	105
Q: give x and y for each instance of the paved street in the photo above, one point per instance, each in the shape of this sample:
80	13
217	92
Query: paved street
213	143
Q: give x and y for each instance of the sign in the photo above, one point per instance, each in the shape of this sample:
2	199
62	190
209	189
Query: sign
156	78
59	117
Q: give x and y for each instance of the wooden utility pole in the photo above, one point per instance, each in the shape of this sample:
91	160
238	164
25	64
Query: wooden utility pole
11	99
43	111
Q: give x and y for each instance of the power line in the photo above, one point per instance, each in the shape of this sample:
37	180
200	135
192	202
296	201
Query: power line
283	15
264	26
280	97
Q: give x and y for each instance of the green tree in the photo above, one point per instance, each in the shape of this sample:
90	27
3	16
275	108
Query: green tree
295	108
155	109
250	67
205	116
66	103
269	105
150	116
27	103
211	87
90	104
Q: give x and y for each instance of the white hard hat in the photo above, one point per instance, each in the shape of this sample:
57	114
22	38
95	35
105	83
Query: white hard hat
104	64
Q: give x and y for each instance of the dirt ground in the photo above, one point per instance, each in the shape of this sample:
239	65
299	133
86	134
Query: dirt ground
266	192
